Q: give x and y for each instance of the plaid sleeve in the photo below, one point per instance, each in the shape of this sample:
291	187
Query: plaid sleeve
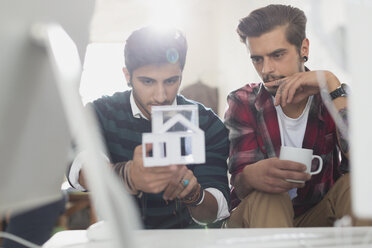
240	119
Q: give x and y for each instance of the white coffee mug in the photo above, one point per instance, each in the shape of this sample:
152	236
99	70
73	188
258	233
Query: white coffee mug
301	155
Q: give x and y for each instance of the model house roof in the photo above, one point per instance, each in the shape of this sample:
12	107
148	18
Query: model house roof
178	119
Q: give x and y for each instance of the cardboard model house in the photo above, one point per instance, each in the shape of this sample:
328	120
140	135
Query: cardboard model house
175	139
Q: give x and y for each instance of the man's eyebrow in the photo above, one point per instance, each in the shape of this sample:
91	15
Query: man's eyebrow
255	56
280	50
173	77
144	78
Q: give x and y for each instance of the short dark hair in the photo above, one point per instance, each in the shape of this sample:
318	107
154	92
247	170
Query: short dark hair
265	19
150	45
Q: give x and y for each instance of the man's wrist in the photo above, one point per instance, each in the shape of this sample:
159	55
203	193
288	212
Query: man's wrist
339	92
332	81
195	197
242	184
128	182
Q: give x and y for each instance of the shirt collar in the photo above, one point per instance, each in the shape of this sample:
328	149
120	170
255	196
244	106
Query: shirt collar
136	112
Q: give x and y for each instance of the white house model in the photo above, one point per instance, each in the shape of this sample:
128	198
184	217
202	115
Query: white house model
175	138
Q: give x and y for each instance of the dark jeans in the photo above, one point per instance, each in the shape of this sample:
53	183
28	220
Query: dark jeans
35	225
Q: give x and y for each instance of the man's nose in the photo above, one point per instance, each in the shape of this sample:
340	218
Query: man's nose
267	67
160	95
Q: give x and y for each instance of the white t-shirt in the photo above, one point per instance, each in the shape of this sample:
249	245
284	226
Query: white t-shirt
292	131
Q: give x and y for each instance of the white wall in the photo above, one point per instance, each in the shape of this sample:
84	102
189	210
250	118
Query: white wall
215	56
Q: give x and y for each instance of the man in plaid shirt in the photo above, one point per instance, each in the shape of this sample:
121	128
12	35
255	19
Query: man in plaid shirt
285	110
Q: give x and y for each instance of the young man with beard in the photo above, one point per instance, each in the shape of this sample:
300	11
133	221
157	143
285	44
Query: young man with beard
285	110
175	196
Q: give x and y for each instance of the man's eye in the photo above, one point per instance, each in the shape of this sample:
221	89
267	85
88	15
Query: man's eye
256	60
147	81
278	55
171	81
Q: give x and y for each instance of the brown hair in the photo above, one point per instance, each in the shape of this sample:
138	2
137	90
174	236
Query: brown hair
150	45
265	19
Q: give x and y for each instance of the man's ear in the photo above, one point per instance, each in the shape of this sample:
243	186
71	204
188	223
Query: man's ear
127	76
305	48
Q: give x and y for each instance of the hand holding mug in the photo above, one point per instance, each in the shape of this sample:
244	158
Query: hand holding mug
300	155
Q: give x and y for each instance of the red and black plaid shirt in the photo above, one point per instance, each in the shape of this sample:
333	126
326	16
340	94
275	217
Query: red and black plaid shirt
254	135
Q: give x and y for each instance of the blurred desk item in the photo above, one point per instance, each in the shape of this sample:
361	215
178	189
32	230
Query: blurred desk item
202	93
79	213
225	238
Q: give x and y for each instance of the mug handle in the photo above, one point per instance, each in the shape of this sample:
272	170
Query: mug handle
320	165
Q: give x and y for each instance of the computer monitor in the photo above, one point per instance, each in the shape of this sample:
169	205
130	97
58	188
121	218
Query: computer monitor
34	138
41	112
359	40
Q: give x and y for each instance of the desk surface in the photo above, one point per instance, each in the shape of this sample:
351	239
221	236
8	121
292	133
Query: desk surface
225	238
